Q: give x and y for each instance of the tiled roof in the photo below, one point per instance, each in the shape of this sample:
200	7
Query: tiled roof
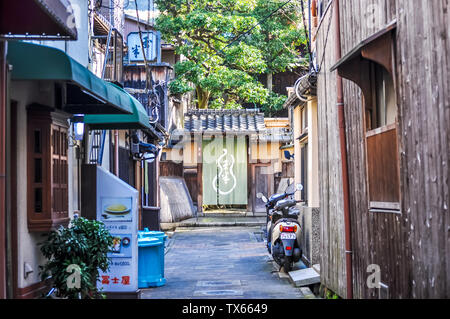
240	121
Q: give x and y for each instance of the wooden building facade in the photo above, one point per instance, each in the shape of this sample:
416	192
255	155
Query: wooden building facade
396	70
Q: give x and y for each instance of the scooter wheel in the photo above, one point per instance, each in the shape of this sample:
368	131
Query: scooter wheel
287	266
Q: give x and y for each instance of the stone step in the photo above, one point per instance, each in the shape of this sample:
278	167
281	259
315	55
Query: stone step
222	222
219	213
304	277
307	293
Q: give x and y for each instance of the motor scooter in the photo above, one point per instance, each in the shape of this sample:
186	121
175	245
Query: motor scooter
274	199
283	229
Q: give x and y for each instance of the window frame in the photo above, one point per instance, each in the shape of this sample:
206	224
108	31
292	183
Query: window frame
54	185
355	66
371	54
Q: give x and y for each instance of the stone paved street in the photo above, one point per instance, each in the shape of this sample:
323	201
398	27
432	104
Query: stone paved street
220	263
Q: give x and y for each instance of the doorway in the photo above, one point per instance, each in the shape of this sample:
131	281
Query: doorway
225	171
263	183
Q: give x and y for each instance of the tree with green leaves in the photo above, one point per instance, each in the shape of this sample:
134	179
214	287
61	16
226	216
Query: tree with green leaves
228	44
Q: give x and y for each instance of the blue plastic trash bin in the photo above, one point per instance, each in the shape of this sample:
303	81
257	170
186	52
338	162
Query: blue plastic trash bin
153	233
150	264
156	234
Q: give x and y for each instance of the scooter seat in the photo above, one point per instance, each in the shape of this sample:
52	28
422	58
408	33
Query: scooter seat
284	220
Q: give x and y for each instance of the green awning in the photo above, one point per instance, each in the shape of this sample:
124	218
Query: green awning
138	120
86	93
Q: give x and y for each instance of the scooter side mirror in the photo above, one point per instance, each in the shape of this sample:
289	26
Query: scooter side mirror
262	197
299	187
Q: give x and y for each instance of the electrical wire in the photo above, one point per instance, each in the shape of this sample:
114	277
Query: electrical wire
326	38
259	23
149	75
238	37
235	39
305	28
115	5
296	85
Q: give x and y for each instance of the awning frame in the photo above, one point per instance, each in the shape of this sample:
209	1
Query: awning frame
84	92
137	120
378	48
50	18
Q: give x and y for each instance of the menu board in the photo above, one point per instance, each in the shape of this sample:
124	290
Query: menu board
117	209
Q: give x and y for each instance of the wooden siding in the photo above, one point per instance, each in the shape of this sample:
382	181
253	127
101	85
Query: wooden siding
287	171
192	182
412	248
134	77
168	168
424	99
332	250
382	166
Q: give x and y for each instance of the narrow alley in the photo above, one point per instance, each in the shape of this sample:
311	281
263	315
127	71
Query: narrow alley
226	262
217	149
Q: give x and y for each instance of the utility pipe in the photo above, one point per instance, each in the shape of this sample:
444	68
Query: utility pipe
116	153
344	163
309	35
3	51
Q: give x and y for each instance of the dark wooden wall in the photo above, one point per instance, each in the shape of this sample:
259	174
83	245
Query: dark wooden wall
135	78
287	171
193	177
169	168
126	167
412	248
377	238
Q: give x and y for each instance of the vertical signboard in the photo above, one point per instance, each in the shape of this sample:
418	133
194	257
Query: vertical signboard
150	41
117	209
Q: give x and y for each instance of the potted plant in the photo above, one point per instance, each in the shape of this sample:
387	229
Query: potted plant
75	254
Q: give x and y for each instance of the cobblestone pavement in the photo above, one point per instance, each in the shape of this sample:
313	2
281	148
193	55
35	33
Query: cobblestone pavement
220	263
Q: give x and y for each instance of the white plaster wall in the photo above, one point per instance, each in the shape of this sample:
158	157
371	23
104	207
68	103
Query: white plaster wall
313	160
25	93
79	49
28	252
106	154
313	155
297	149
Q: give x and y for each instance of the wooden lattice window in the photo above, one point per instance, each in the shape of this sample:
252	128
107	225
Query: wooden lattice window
47	169
59	170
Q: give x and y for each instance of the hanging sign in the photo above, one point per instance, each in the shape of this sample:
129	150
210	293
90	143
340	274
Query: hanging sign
150	42
224	171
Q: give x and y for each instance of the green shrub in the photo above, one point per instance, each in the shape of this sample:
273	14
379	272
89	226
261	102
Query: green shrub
84	245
